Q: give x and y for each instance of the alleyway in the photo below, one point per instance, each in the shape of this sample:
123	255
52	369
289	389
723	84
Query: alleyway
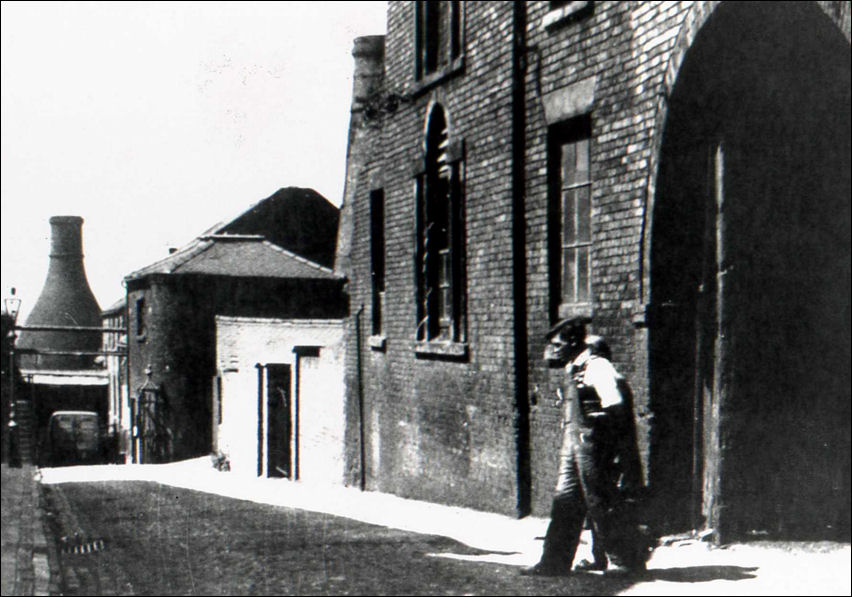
142	538
187	529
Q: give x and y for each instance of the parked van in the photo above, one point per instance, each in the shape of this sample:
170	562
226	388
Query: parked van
74	437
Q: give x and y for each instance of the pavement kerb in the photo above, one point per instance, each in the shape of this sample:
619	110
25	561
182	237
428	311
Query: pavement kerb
46	558
41	566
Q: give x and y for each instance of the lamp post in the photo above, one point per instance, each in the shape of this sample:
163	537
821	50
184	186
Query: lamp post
12	305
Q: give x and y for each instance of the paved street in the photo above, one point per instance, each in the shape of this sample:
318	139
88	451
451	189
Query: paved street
185	528
24	546
149	539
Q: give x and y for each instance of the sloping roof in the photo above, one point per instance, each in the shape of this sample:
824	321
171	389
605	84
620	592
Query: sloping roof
236	256
283	195
115	307
167	264
297	219
290	234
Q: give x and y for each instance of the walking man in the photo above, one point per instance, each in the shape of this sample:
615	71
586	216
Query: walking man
598	460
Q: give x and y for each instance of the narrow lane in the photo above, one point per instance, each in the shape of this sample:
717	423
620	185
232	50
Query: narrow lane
143	538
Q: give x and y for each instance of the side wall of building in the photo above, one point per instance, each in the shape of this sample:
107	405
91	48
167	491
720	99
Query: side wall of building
449	430
434	427
178	339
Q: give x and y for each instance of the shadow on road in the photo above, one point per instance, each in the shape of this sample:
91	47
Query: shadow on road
700	573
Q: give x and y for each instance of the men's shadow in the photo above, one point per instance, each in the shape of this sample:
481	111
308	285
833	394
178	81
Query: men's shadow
700	573
595	583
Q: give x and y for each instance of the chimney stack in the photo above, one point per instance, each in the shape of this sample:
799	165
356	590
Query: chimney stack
367	84
65	300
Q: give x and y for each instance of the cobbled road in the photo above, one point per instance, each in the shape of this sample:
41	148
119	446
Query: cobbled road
142	538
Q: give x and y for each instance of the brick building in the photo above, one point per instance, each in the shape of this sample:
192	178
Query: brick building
114	343
677	170
280	407
255	265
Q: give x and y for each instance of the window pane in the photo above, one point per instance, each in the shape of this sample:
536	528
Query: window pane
569	235
455	29
569	164
432	41
584	213
583	275
569	275
445	268
443	32
582	169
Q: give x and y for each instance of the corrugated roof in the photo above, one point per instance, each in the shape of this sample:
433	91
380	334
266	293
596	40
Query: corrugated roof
237	256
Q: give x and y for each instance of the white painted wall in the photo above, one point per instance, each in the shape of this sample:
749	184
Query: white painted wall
244	342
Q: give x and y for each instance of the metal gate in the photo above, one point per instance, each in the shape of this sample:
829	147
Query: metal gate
150	430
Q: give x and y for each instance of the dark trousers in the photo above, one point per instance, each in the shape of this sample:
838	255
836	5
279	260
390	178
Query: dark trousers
593	465
585	487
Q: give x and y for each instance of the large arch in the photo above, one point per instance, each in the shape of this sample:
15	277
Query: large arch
747	270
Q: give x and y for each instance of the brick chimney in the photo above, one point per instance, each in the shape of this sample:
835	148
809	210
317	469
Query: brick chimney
369	54
65	300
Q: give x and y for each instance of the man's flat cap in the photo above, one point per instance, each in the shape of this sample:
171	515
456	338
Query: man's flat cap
568	322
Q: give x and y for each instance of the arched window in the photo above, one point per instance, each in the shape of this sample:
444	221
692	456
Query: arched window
440	235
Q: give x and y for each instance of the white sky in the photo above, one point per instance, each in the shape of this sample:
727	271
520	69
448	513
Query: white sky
155	120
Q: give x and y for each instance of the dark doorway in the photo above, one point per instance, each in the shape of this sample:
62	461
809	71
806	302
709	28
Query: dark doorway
278	434
750	279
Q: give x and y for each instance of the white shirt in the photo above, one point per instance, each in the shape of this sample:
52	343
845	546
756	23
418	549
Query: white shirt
600	375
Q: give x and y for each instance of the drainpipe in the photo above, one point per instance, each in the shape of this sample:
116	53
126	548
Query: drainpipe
259	368
519	264
359	375
132	422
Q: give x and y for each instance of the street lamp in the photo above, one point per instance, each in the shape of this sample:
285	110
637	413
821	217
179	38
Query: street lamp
12	305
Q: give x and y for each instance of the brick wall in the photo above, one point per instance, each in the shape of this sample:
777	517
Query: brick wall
179	342
316	394
445	430
435	428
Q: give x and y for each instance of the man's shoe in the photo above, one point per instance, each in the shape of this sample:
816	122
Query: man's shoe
545	570
620	570
587	566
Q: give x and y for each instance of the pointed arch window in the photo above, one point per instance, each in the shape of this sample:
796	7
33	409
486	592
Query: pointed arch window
440	263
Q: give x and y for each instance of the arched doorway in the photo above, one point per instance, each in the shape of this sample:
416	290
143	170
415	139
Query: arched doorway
750	278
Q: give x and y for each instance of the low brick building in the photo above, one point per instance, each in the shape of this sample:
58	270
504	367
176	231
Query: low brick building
678	171
231	270
280	403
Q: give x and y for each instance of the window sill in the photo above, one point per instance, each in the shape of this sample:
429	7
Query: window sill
562	14
567	310
445	350
432	79
377	343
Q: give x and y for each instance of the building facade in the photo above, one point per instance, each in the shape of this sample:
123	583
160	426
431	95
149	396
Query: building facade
679	172
231	270
114	359
279	410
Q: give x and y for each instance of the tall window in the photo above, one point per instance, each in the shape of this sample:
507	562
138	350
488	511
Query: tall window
438	35
440	233
571	217
140	317
377	257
